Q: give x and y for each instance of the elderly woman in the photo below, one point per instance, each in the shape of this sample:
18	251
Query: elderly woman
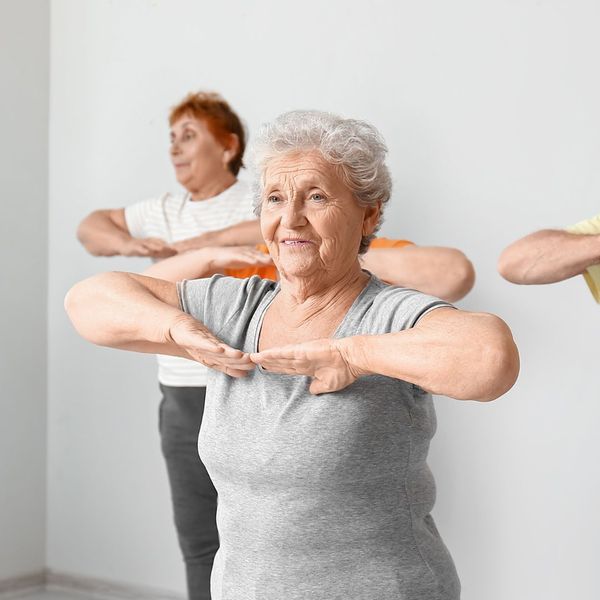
319	411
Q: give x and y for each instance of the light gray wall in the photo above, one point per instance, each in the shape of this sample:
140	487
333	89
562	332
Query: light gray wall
491	113
24	42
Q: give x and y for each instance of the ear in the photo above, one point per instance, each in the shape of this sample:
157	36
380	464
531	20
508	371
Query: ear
233	145
371	218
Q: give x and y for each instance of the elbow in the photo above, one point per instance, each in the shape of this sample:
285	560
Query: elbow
463	277
75	303
500	362
510	266
457	276
85	239
83	305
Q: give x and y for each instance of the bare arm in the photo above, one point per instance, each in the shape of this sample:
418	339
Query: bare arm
133	312
205	262
467	356
548	256
246	233
464	355
443	272
105	233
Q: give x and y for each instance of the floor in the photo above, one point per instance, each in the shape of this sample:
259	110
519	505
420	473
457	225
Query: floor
54	595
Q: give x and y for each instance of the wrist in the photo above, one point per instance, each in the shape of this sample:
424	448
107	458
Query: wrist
123	244
354	352
177	324
209	256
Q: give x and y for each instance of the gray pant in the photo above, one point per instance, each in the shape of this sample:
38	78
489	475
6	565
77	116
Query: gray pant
193	494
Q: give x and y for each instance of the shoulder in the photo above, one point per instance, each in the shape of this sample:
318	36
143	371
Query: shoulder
157	202
218	297
395	308
223	286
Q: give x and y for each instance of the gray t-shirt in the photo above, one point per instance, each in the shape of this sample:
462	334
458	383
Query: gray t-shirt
320	497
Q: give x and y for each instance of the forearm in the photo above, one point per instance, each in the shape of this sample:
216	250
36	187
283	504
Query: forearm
191	265
443	272
474	358
120	310
100	236
548	256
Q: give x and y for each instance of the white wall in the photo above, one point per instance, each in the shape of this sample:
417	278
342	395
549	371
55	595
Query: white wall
24	39
490	111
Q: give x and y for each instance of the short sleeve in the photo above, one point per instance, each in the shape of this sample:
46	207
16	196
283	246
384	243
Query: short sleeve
396	308
139	215
217	300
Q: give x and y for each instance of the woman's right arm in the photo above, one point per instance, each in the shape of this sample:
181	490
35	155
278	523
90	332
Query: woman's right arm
133	312
206	262
548	256
105	233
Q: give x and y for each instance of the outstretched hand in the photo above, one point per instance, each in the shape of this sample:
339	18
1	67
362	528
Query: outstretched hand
203	346
239	257
322	359
151	247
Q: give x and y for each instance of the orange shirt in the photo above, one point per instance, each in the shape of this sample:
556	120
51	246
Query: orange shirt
270	272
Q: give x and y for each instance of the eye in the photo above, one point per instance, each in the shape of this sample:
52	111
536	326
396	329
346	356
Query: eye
188	135
272	199
318	197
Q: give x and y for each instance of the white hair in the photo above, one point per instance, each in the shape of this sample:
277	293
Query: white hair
355	147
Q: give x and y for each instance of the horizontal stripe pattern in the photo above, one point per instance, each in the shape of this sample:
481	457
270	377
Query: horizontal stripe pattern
176	217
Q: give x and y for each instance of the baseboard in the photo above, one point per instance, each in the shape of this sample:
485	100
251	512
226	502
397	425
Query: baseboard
98	589
13	587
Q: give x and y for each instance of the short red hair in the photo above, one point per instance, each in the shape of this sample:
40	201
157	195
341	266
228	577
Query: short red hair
220	119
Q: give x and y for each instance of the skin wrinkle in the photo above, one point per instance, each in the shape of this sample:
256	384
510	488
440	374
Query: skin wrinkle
292	179
325	277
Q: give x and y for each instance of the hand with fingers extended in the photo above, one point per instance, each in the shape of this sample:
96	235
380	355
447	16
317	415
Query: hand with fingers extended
203	346
194	243
324	360
151	247
238	257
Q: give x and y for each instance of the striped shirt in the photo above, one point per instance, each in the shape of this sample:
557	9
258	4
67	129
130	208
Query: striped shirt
177	217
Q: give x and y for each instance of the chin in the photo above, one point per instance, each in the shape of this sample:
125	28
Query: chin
294	269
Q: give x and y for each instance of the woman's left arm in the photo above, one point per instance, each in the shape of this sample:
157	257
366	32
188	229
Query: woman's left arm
463	355
443	272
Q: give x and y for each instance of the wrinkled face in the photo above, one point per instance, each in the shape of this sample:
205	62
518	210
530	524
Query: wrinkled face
309	218
196	155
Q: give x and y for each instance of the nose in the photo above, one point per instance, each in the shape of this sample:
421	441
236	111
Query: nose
293	215
174	149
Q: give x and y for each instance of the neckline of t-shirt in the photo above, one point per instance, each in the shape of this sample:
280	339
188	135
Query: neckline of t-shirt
218	198
371	284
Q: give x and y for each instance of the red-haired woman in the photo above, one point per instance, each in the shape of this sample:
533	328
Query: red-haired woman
207	146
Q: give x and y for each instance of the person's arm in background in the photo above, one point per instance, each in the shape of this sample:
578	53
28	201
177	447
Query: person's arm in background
246	233
105	233
548	256
442	272
205	262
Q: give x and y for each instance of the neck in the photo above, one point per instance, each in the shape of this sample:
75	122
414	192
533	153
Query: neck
305	298
214	187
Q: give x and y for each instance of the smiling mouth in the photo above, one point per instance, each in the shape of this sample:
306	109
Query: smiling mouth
296	242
